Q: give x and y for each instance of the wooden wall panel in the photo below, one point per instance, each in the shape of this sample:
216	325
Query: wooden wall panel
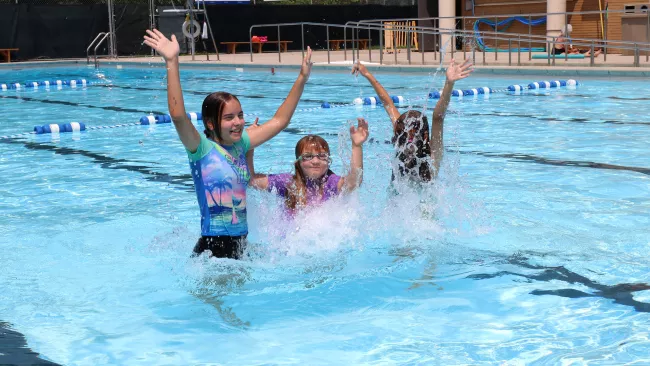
584	26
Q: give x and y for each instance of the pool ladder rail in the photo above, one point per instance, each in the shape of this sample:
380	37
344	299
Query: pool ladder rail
99	39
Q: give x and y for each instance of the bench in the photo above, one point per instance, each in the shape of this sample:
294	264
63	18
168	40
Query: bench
231	46
335	44
7	53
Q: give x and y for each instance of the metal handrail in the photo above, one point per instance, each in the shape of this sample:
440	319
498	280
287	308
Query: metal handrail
99	43
547	40
491	16
92	44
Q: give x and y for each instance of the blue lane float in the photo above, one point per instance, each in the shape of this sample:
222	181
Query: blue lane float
153	119
47	83
54	128
554	84
375	100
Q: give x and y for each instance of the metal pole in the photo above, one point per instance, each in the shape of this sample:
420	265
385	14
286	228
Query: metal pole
369	45
591	62
484	54
436	46
358	44
530	38
279	44
302	40
496	38
345	42
327	28
191	11
509	52
214	42
548	47
382	33
112	44
408	42
519	50
394	44
474	53
605	36
422	46
647	37
354	56
152	19
636	55
452	40
250	42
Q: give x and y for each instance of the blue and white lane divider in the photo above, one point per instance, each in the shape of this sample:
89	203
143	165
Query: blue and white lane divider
569	84
46	84
59	128
197	116
397	99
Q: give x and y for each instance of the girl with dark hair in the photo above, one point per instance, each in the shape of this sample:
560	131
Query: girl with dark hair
411	137
313	181
218	157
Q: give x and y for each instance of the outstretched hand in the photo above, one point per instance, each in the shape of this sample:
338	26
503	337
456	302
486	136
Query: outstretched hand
359	134
457	71
305	70
359	68
169	49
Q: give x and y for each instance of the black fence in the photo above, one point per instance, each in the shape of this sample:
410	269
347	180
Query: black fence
65	31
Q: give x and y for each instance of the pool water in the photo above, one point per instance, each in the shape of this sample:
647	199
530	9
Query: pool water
530	248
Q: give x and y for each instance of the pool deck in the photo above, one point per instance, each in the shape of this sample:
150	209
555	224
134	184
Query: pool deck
485	63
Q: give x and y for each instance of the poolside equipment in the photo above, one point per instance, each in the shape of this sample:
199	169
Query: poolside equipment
506	22
188	24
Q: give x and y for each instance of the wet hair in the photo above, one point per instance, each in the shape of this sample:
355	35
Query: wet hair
297	192
211	111
412	164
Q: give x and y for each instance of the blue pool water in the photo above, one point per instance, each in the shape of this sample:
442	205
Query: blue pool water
519	254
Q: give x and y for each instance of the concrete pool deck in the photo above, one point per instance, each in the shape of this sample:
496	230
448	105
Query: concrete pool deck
616	65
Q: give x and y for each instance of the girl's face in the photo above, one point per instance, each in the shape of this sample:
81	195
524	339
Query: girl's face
314	162
232	122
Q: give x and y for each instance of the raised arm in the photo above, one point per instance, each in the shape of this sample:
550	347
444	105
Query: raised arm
258	181
283	115
358	135
169	50
455	72
386	100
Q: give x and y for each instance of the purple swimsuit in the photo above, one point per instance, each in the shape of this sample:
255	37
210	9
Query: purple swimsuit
280	184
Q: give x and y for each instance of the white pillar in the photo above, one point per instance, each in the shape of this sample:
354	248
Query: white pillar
447	8
555	23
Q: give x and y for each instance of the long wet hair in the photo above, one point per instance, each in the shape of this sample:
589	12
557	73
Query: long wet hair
412	125
211	111
297	192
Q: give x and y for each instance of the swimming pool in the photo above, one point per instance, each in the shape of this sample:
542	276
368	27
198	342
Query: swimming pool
540	215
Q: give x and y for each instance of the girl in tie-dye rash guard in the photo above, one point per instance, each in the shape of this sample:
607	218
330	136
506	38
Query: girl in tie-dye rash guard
218	157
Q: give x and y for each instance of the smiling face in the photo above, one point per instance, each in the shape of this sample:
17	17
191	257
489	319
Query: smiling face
314	162
312	157
223	118
232	122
